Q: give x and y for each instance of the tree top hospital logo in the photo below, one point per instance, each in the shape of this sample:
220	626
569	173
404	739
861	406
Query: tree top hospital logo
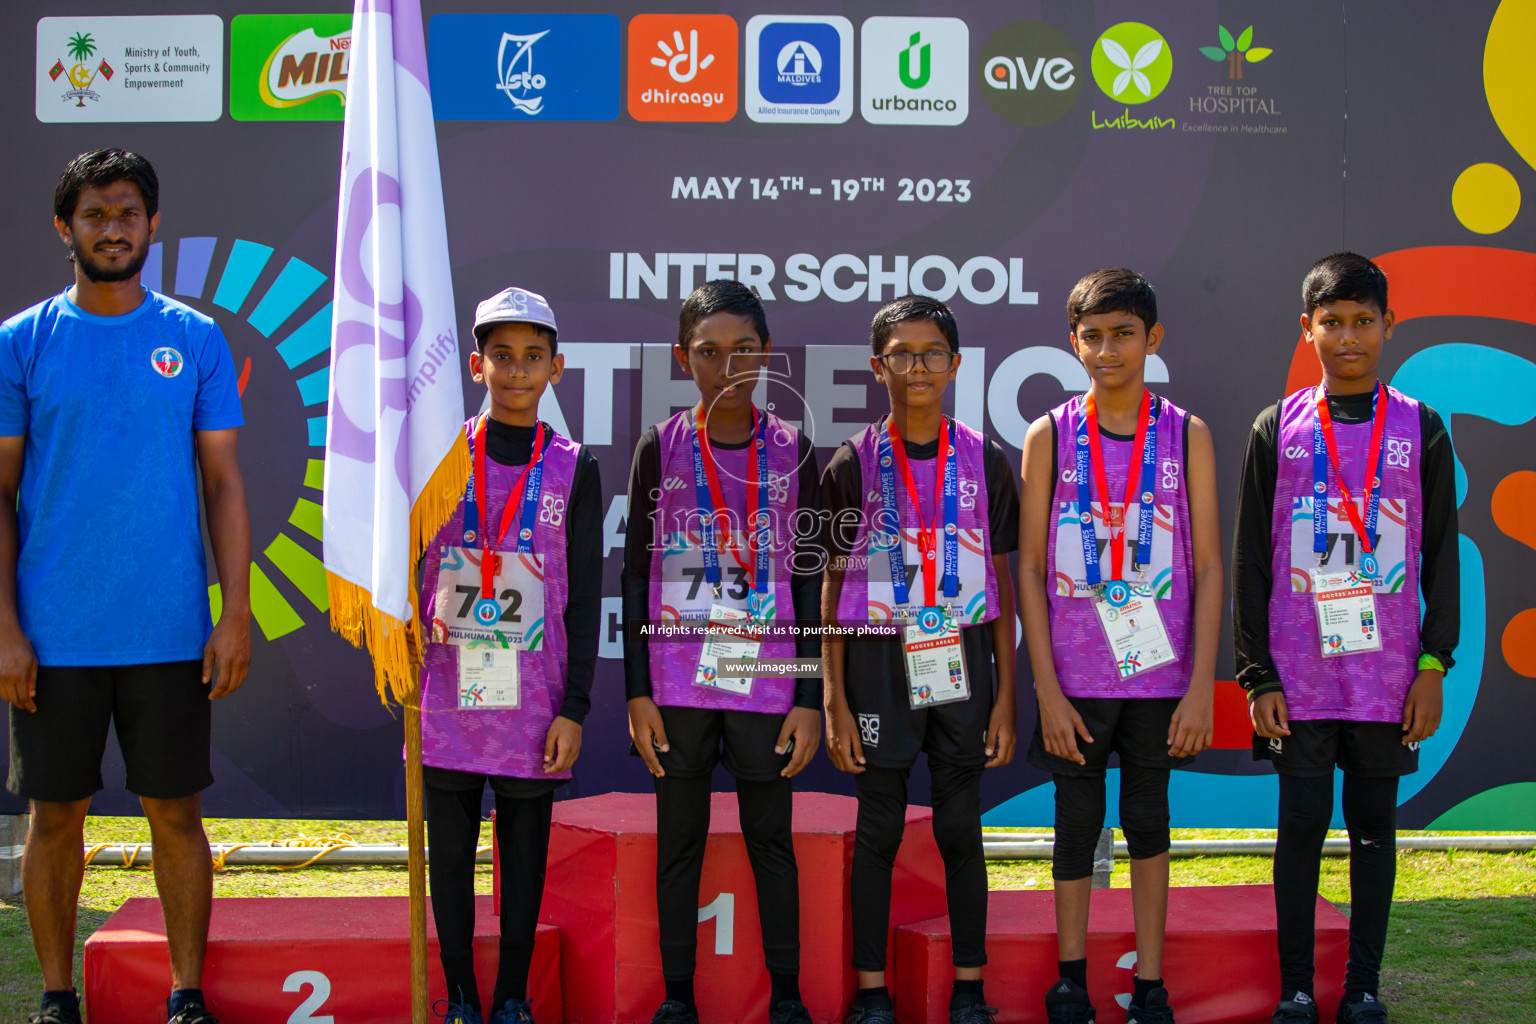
524	67
799	69
1131	62
166	361
682	67
914	70
1029	73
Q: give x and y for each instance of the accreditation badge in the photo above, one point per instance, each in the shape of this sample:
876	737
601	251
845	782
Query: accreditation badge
488	678
935	659
1346	612
733	633
1133	628
512	616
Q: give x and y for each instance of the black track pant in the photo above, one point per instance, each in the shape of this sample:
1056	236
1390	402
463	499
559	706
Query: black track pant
956	798
682	830
1370	814
522	840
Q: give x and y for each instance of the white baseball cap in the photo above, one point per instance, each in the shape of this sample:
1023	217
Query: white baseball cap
513	306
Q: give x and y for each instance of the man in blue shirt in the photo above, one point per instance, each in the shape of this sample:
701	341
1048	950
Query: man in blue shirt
112	399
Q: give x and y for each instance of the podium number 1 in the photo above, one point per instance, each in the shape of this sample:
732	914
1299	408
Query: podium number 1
319	992
723	911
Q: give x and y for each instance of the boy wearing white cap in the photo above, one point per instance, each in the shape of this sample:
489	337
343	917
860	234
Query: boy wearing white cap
510	599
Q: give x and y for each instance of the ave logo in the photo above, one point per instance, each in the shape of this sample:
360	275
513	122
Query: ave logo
682	67
1030	73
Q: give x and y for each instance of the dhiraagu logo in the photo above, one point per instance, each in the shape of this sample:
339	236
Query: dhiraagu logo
289	67
1131	62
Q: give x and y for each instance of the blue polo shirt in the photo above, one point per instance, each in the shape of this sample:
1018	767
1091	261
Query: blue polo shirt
111	569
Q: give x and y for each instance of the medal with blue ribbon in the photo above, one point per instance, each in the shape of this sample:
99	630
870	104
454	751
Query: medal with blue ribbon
1325	450
893	456
711	502
1091	473
524	497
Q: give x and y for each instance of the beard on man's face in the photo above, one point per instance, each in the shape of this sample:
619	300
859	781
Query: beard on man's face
106	275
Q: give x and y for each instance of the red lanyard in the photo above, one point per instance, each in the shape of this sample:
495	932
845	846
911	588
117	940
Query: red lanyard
1372	463
1132	478
927	535
717	496
489	548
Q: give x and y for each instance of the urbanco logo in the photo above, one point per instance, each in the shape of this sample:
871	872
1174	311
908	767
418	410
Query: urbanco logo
1131	62
682	67
1029	72
914	70
799	69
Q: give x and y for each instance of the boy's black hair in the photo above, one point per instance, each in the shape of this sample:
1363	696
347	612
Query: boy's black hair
100	169
720	296
544	332
913	307
1112	290
1343	277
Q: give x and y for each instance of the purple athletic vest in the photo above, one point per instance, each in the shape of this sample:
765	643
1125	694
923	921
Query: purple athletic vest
507	742
1084	665
1353	687
859	603
676	558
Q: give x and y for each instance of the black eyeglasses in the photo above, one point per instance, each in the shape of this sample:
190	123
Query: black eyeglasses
935	360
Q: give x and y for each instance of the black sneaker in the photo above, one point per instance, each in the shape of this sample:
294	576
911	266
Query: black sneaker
1300	1010
790	1011
870	1015
193	1014
1368	1010
1067	1003
457	1013
51	1012
1154	1011
673	1012
973	1013
514	1011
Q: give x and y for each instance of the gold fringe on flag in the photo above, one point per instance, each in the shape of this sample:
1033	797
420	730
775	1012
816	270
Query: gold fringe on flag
395	646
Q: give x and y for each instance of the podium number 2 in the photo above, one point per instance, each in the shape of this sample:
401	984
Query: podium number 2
319	992
723	911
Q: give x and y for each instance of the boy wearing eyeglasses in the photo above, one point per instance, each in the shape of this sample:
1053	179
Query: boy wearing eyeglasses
1120	581
920	513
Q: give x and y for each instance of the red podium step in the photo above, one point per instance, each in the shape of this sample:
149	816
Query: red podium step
320	960
601	892
1219	957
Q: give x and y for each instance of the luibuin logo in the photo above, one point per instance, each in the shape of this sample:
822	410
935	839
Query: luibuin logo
518	79
1131	62
1236	51
915	47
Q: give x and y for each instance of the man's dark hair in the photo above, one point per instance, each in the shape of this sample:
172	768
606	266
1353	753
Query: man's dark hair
1112	290
720	296
100	169
544	332
1343	277
912	307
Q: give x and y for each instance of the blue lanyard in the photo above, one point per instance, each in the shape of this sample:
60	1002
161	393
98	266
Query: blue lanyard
529	512
1323	450
890	522
1089	468
702	489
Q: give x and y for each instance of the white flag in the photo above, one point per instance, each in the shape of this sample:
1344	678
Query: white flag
395	460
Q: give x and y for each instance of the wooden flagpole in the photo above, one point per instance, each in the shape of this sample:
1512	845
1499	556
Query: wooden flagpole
416	858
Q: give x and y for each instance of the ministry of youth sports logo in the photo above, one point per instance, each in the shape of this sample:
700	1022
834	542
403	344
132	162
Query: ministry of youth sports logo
166	361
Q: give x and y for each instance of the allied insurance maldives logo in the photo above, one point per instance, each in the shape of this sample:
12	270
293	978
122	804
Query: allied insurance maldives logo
682	67
289	67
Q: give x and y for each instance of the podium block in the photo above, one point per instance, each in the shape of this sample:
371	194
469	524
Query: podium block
296	959
601	893
1219	957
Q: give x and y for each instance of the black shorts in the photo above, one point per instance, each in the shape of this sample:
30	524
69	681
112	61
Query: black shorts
1372	750
453	780
700	738
1136	728
163	719
892	732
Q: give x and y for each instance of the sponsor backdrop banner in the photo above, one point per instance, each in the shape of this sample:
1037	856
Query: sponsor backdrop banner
836	155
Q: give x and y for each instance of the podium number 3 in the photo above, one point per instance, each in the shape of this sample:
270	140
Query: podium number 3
723	911
319	992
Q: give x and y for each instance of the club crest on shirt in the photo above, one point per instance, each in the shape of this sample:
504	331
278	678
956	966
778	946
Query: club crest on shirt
166	361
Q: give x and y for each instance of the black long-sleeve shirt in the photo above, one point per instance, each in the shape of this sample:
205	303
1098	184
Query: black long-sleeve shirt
513	446
639	537
1252	580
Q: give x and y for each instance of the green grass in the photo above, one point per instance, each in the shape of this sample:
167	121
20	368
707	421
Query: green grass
1459	947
